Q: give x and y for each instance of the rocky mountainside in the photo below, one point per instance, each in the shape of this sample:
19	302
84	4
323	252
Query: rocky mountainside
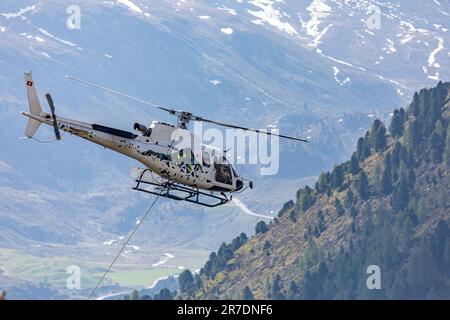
387	207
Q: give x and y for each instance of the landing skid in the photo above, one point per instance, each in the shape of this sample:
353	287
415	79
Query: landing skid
176	191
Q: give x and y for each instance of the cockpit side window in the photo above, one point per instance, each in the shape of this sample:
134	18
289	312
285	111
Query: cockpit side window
223	173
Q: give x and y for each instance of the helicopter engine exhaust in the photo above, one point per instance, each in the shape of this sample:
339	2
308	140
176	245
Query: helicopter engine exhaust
146	132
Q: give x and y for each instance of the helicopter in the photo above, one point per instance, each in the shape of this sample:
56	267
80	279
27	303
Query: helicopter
170	172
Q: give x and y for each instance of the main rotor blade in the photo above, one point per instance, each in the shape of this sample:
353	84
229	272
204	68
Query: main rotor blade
249	129
171	111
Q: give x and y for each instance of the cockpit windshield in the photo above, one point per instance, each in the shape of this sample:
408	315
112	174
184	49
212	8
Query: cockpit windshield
223	170
236	174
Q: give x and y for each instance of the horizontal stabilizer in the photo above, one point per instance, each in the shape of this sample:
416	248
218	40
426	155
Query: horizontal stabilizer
32	127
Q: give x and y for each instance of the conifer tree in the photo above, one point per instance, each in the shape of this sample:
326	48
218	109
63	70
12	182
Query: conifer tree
447	148
386	179
362	186
247	294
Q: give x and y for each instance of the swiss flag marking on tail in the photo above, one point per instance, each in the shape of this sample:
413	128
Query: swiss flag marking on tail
29	83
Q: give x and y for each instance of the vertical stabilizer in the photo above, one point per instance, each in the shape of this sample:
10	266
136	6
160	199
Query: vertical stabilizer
34	105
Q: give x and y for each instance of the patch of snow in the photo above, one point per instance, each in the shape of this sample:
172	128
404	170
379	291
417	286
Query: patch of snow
29	36
318	11
45	54
215	82
2	29
20	13
108	56
432	57
204	17
108	243
48	34
268	14
336	73
409	32
391	46
130	5
435	77
227	31
319	51
229	10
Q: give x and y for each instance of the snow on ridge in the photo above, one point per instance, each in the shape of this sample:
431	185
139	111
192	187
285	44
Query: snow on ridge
432	60
29	36
48	34
336	73
20	13
229	10
319	51
227	31
268	14
2	29
391	46
108	243
130	5
318	11
432	57
410	32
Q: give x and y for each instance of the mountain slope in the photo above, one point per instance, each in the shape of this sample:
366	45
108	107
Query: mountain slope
387	207
172	57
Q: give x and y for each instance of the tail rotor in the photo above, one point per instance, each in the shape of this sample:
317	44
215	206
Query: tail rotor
52	109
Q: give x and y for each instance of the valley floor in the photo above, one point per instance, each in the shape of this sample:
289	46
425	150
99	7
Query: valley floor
140	268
